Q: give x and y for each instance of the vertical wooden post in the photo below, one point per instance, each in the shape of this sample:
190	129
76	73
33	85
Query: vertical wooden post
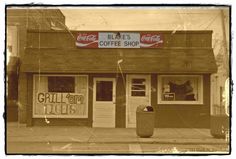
29	106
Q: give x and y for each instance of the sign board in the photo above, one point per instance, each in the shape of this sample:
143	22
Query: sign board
53	104
149	40
169	96
118	40
87	40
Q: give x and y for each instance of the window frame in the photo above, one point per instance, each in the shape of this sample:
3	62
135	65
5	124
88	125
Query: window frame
144	90
200	91
59	116
113	89
96	84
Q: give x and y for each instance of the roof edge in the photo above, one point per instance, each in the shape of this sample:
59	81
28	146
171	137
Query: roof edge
148	31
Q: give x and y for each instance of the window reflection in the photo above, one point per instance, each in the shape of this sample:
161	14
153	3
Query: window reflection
180	88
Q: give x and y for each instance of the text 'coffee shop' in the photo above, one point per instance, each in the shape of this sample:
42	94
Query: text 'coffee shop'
98	79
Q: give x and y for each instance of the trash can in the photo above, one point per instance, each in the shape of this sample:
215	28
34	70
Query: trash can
219	126
220	122
145	121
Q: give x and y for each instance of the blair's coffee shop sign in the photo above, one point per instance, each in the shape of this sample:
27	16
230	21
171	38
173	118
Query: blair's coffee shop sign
52	104
118	40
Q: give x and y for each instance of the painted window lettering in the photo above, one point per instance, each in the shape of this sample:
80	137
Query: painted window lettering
59	109
60	96
60	103
50	98
75	99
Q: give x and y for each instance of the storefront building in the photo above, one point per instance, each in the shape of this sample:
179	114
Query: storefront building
97	79
18	20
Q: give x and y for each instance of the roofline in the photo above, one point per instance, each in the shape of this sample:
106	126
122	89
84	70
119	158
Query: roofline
60	12
76	49
113	72
146	31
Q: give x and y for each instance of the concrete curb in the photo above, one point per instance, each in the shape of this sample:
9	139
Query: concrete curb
112	142
136	141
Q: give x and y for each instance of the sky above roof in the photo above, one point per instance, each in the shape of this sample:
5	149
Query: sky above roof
150	19
134	18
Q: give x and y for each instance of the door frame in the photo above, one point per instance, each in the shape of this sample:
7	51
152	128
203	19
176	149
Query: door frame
95	79
128	83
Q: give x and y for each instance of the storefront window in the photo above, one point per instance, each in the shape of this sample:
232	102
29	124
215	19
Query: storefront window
62	96
179	89
104	90
138	87
61	84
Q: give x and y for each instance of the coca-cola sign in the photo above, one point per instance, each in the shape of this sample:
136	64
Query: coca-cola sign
150	40
118	40
87	40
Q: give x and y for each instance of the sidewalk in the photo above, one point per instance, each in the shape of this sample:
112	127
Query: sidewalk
20	133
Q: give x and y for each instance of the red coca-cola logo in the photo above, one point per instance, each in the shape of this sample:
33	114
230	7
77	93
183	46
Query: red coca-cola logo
87	40
151	40
86	37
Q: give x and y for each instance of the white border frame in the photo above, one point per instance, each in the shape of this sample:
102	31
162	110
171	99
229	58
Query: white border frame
200	90
60	116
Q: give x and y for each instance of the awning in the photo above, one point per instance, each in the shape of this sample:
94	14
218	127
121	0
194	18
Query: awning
174	60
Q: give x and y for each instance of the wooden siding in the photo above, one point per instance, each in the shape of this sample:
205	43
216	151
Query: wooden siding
184	116
105	60
67	39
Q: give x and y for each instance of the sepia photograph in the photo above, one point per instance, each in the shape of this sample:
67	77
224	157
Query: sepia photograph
116	79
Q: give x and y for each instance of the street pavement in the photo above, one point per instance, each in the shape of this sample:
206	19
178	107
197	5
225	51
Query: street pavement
80	140
113	148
